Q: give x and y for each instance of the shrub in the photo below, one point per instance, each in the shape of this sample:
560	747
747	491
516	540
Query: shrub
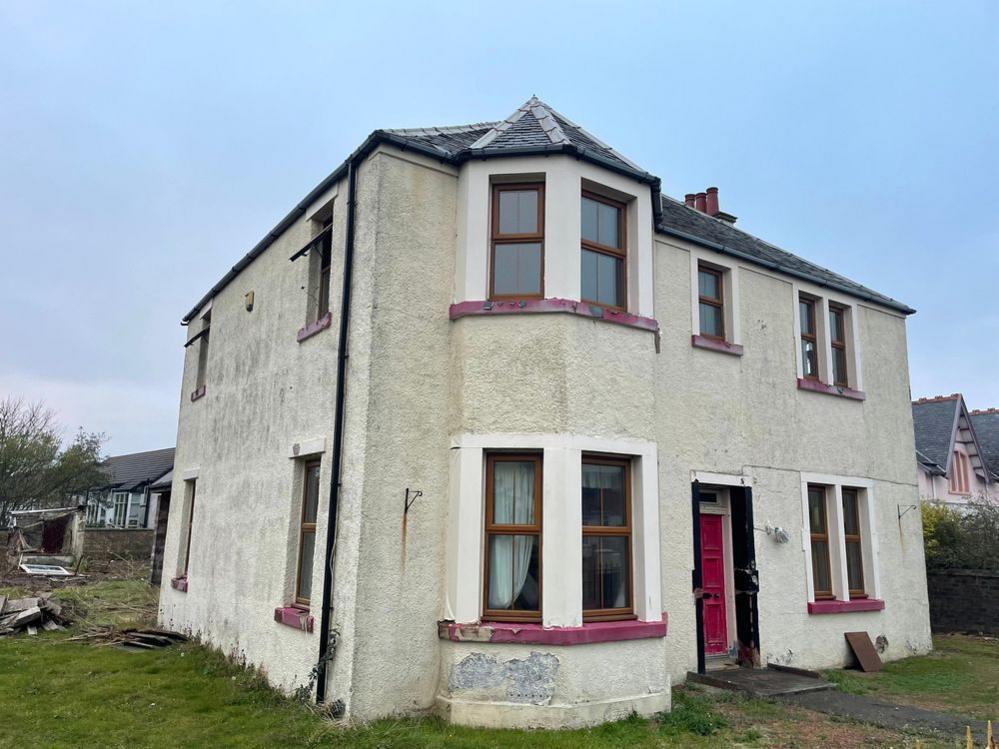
956	539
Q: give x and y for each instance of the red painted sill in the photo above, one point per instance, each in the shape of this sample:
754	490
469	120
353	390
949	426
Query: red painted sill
312	328
845	607
820	387
536	634
713	344
540	306
198	393
295	617
179	583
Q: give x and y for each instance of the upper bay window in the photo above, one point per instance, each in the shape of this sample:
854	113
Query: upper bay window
518	241
603	252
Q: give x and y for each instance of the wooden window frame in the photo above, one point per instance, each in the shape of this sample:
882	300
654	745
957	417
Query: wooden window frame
510	529
820	595
303	528
497	238
627	612
839	344
190	528
718	303
960	481
812	337
620	253
854	538
325	252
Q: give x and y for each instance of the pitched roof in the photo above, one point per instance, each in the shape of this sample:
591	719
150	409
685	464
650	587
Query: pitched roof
934	421
535	128
135	470
986	424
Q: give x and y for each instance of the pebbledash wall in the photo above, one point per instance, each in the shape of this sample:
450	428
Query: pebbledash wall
426	394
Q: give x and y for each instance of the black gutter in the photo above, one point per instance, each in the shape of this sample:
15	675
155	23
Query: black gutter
325	615
726	250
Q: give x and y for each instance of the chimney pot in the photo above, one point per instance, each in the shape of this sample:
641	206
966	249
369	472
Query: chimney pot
699	201
688	200
711	201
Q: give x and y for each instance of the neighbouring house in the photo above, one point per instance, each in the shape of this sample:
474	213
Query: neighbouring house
126	500
953	468
985	422
488	425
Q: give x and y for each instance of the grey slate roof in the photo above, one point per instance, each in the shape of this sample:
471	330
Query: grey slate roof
934	421
535	128
134	471
986	426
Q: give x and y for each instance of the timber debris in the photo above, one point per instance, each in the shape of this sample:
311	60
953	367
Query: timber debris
28	615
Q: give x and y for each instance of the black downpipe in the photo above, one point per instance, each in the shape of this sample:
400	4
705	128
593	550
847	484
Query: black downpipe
696	576
341	376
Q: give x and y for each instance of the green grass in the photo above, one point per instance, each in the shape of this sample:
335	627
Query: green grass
961	676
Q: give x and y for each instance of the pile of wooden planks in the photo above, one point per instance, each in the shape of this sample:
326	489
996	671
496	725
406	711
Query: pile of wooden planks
20	615
130	639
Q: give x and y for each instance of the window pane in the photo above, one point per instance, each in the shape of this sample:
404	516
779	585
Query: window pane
840	372
513	492
851	524
854	565
836	324
513	573
809	359
311	494
816	511
707	285
518	212
589	223
305	569
604	497
517	268
821	577
605	573
712	321
607	228
602	278
807	314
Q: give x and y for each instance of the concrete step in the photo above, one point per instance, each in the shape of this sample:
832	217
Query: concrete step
762	682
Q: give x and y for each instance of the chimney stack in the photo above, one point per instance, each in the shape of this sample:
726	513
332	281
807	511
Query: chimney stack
711	204
699	201
688	200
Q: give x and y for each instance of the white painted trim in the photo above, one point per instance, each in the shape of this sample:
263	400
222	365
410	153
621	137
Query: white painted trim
463	596
721	479
190	474
562	539
307	447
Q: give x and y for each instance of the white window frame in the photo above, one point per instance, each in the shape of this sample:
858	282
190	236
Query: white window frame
561	523
730	293
837	540
822	299
119	509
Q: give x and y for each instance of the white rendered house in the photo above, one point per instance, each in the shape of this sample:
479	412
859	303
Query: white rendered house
489	426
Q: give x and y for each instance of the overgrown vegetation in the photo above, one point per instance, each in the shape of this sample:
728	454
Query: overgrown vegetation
955	539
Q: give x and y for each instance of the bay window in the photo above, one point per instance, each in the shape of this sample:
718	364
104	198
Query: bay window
606	499
518	238
603	252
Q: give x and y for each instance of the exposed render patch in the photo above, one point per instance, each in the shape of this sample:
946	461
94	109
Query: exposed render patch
531	680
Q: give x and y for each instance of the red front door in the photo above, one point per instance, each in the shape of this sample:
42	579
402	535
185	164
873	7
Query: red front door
713	584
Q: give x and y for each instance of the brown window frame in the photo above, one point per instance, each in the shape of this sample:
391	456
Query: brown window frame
718	303
854	538
325	252
190	528
511	529
839	344
621	252
813	536
497	237
813	337
627	612
303	528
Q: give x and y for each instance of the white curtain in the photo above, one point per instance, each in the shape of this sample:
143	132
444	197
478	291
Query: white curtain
510	556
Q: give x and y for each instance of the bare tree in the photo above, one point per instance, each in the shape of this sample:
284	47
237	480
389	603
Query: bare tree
34	469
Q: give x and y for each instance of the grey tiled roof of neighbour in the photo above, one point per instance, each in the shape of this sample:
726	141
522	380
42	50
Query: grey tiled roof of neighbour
535	128
933	421
986	426
127	472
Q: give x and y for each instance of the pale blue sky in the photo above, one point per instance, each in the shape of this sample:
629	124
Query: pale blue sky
145	148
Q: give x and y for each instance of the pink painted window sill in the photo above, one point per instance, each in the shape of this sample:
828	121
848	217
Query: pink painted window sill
179	583
198	393
820	387
312	328
536	634
542	306
713	344
845	607
295	617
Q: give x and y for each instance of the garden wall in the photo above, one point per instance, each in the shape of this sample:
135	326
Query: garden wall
964	601
107	544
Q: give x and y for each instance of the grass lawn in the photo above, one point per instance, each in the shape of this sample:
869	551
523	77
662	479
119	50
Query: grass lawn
960	676
58	693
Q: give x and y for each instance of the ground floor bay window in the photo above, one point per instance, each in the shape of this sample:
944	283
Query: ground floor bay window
553	529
